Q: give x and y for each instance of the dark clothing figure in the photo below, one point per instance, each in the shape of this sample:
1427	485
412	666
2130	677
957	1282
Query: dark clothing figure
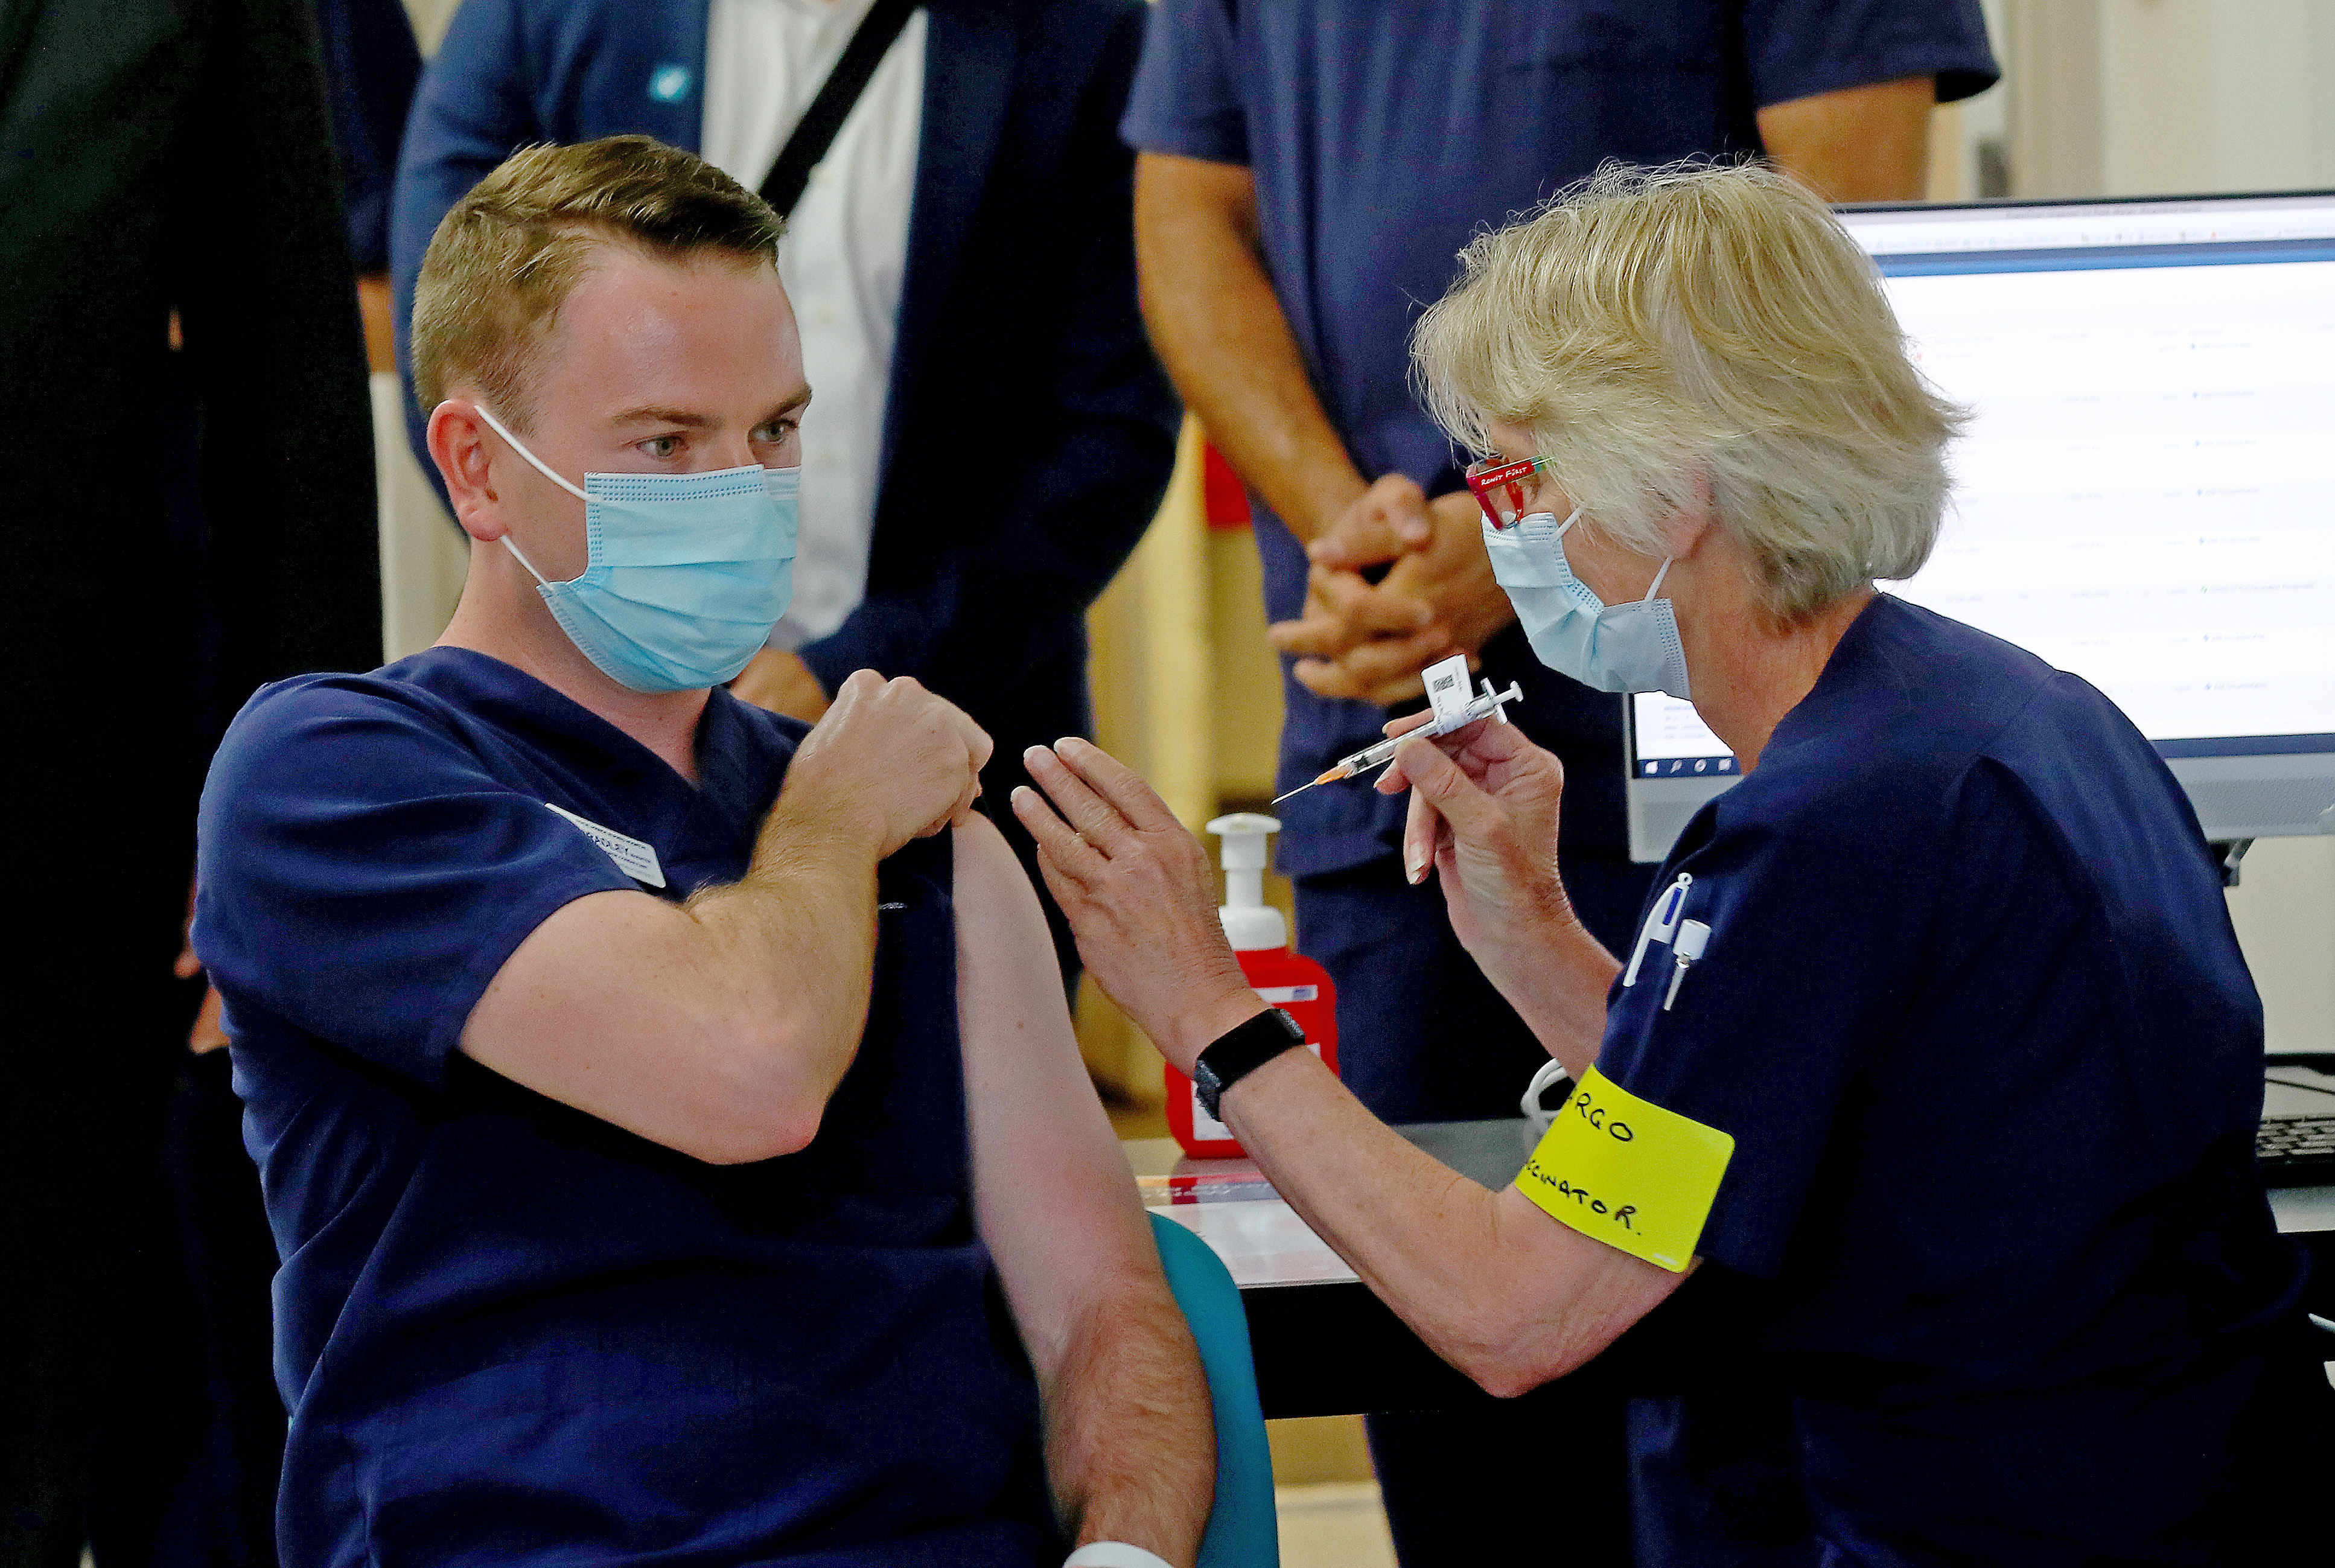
154	158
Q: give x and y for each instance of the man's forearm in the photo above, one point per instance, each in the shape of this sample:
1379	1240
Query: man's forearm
1131	1444
1219	329
718	1028
810	890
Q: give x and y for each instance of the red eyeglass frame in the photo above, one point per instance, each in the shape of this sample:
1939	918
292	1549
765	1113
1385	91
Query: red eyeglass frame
1490	475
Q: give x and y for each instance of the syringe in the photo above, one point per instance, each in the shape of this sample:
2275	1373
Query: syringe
1486	705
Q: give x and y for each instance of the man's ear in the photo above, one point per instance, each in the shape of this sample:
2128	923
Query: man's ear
459	446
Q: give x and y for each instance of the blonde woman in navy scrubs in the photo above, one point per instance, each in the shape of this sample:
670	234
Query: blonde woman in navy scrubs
1934	1050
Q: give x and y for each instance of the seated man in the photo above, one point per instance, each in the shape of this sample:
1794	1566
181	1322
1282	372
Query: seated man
663	1170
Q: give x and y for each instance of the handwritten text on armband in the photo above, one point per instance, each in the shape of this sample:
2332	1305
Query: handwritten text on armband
1628	1172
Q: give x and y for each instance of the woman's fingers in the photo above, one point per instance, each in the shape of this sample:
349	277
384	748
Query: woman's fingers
1094	819
1422	827
1136	803
1059	843
1446	787
1410	721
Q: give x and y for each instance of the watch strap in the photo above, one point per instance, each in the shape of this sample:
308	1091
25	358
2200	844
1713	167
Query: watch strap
1241	1050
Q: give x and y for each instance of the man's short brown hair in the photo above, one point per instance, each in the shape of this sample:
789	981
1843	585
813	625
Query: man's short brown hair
508	254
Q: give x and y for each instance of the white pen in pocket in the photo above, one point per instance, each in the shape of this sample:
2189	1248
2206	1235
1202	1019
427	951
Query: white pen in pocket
1661	923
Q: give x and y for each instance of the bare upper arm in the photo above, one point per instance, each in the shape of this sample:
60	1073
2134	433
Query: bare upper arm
1052	1193
1867	143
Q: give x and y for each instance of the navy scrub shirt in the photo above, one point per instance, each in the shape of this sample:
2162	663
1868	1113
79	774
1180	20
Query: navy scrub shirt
1973	1011
508	1332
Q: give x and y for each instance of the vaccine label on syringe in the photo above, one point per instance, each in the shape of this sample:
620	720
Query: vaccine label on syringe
1447	692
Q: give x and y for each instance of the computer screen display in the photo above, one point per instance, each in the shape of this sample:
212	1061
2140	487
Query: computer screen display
2144	494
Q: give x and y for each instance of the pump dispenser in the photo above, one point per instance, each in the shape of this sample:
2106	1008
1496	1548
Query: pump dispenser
1260	941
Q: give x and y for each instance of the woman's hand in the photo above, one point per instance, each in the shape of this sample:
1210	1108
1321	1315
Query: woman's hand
1483	813
1141	897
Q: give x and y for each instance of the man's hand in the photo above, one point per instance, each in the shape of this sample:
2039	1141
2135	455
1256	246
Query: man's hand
891	755
781	681
1139	894
1353	641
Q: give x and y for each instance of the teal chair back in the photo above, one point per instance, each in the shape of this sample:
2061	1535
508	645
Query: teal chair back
1243	1532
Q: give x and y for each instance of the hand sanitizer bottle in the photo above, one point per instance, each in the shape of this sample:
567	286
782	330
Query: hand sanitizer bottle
1291	981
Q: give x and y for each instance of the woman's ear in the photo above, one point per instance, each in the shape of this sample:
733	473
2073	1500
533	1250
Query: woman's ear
1693	522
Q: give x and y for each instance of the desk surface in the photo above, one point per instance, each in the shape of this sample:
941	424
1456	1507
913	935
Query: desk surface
1230	1204
1325	1346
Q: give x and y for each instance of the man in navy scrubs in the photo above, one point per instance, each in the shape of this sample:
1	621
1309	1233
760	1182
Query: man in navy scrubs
662	1169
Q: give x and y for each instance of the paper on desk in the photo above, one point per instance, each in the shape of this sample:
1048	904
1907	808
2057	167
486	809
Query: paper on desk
1262	1241
1238	1182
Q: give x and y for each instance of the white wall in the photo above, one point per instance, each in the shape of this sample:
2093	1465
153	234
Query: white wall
2285	913
422	554
2151	97
423	557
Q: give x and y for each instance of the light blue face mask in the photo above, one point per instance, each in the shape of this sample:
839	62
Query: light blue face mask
685	573
1628	648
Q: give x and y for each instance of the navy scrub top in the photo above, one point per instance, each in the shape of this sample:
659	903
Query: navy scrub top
1973	1011
508	1332
1384	134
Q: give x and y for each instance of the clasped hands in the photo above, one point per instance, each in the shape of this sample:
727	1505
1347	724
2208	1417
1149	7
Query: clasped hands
1370	640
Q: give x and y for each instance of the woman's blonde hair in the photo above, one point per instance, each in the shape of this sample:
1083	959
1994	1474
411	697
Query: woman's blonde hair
1654	326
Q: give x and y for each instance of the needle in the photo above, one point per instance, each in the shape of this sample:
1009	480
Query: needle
1369	756
1330	776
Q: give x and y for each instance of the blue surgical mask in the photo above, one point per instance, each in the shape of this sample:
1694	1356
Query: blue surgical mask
1627	647
685	573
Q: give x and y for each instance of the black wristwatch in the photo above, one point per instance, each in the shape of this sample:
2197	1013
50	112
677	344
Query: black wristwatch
1239	1052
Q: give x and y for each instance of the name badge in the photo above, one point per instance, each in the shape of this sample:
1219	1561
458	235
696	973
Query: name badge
1626	1172
633	858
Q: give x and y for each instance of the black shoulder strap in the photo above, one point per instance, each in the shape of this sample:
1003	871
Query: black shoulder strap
815	132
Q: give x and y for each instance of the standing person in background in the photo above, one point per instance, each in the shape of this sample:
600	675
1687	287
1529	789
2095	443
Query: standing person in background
1296	208
371	66
993	434
222	1513
155	160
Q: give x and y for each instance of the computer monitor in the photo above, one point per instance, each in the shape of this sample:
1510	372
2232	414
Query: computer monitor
2144	494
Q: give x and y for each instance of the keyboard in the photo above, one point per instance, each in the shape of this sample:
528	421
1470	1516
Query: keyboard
2296	1151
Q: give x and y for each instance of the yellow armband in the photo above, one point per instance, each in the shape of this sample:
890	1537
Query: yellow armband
1628	1173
